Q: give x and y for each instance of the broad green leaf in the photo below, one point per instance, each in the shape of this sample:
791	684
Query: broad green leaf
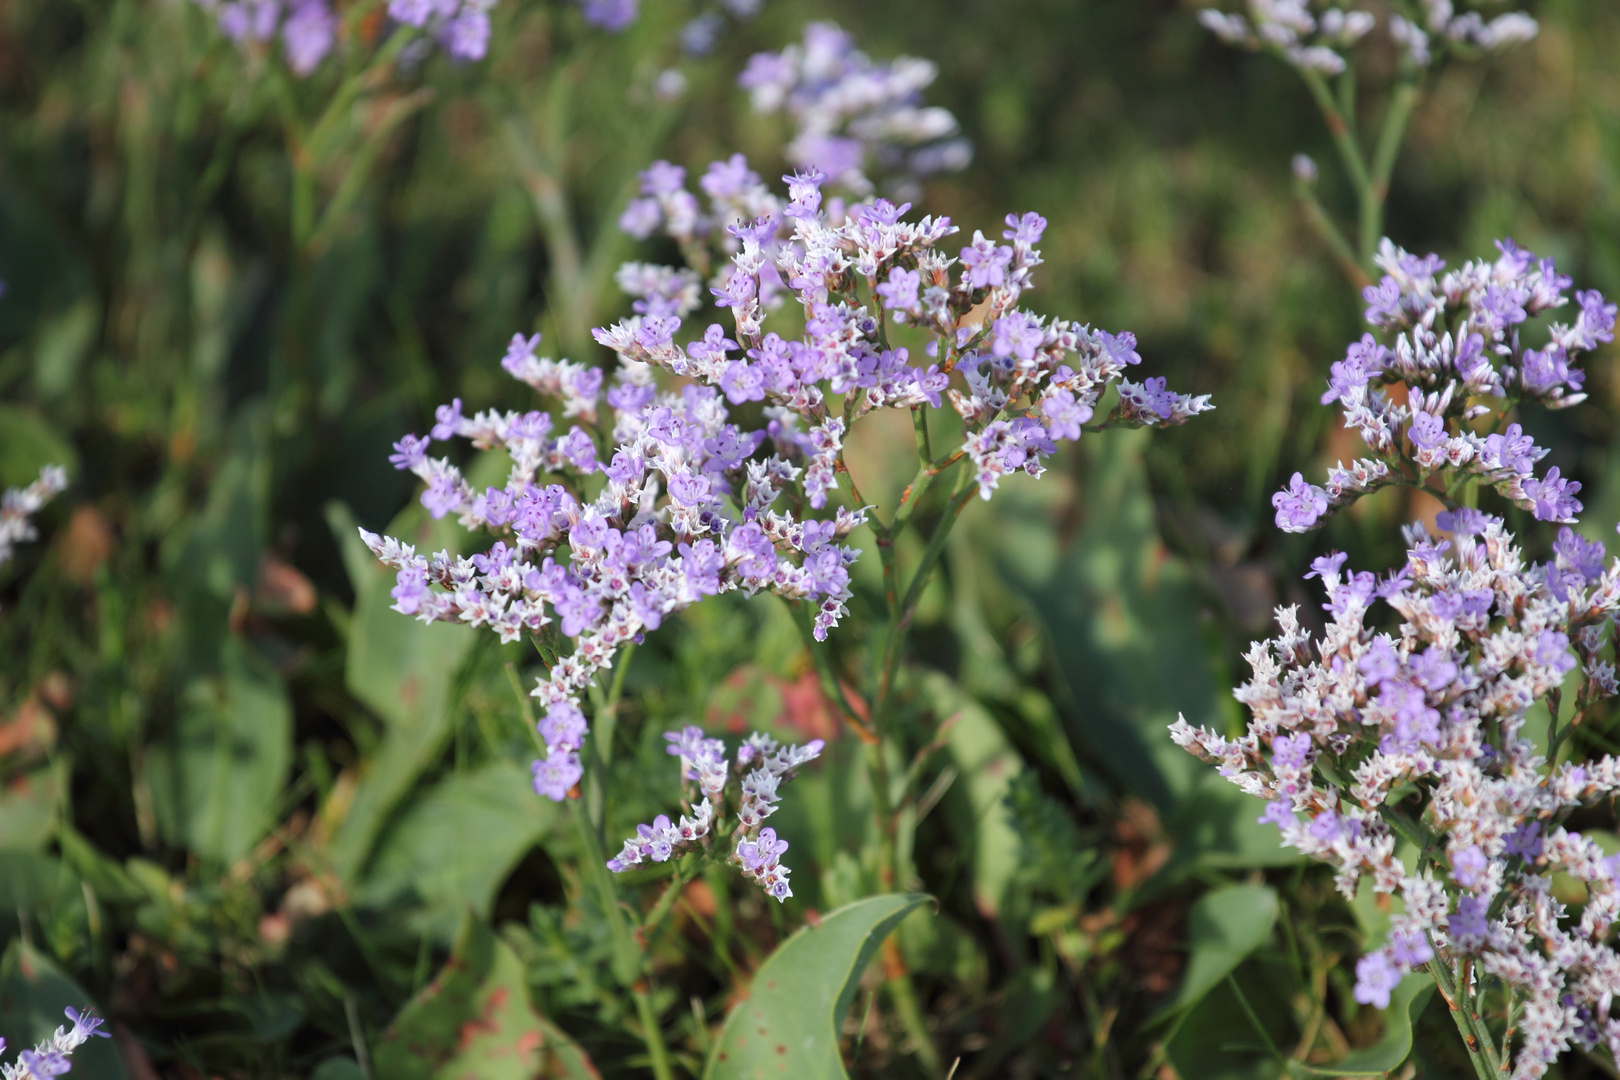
455	844
33	994
28	807
987	764
109	881
1216	1038
64	342
338	1068
402	670
1383	1057
790	1021
1125	621
474	1022
216	778
31	878
28	444
1223	928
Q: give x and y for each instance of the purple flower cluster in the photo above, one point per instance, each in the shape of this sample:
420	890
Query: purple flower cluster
762	766
17	505
1019	381
1313	35
1349	726
679	509
661	499
50	1058
307	28
460	26
1450	342
854	117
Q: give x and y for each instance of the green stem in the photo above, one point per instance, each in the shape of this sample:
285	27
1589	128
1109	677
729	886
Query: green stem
904	997
1343	138
1479	1054
629	961
1332	235
1376	189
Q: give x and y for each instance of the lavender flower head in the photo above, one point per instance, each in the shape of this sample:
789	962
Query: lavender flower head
1399	747
1450	341
17	505
1314	35
743	794
50	1057
662	499
853	116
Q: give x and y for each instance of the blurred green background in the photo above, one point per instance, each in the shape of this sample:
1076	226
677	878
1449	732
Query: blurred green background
244	808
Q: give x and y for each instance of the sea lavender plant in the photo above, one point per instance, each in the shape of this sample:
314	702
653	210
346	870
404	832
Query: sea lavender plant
17	505
854	117
663	498
1403	746
50	1057
762	766
1321	40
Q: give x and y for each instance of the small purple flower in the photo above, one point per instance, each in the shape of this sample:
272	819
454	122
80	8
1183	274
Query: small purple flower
1427	430
1290	751
1467	927
1383	301
610	15
1278	813
1553	497
1026	229
1376	975
1468	866
563	726
900	291
449	420
1525	841
308	34
554	776
1300	505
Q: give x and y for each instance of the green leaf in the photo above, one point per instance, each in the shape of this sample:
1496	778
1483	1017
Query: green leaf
1125	621
988	764
33	994
215	780
402	669
338	1068
28	808
1383	1057
64	342
790	1022
27	444
474	1022
1223	928
456	843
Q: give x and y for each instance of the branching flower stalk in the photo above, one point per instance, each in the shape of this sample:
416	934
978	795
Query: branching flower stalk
1321	40
1403	746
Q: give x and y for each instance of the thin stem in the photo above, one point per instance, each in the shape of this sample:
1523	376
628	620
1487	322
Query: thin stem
629	961
1376	190
1332	235
904	997
1343	138
1483	1066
